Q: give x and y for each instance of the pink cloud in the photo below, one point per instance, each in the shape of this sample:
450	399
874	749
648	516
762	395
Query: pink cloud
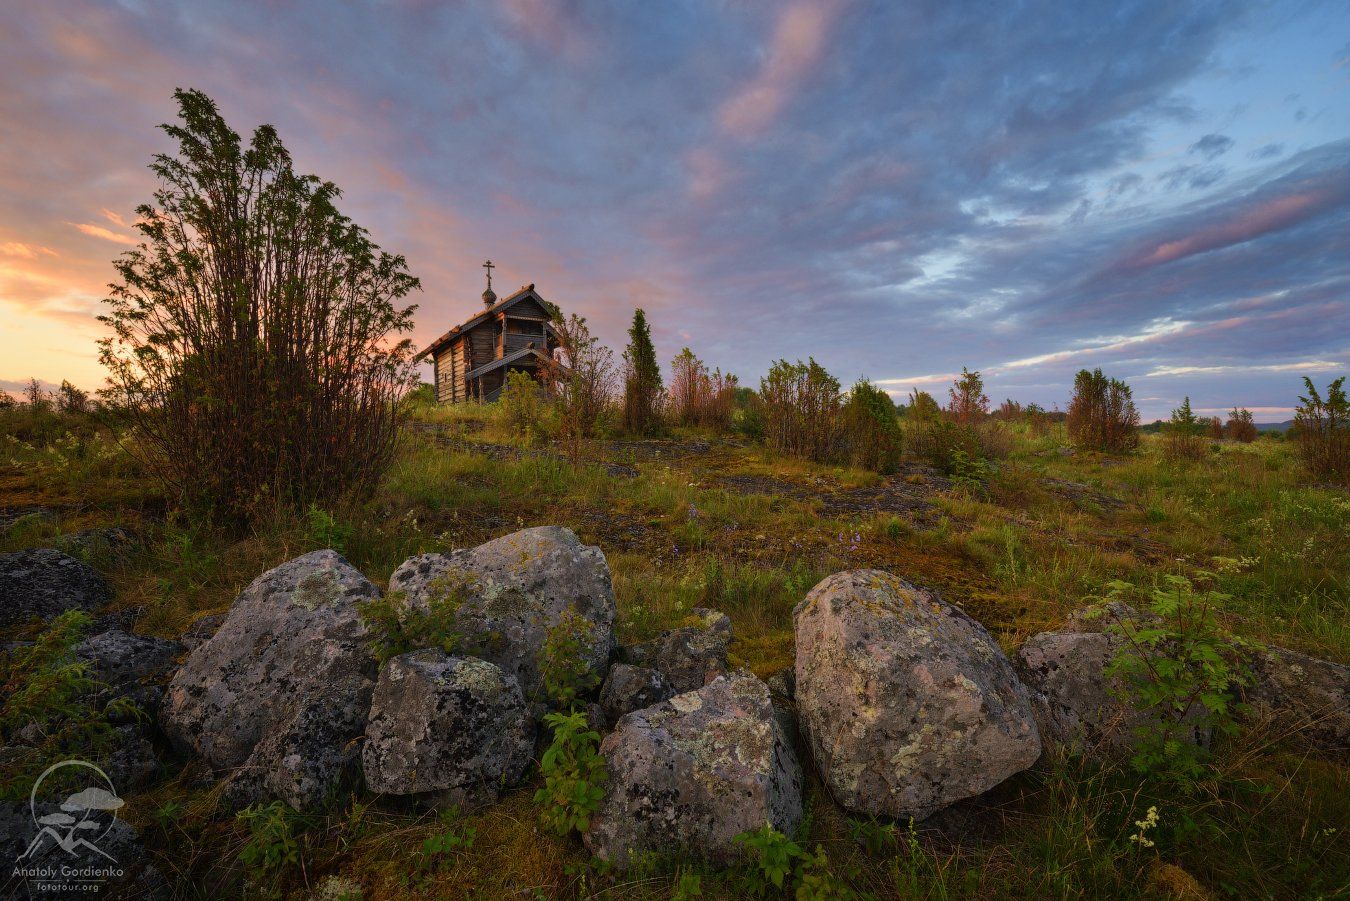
794	50
98	231
1262	218
27	251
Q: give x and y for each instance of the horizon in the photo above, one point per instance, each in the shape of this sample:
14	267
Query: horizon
1167	199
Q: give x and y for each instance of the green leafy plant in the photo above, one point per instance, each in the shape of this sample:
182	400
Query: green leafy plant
1178	664
324	530
774	856
687	887
574	774
397	627
49	695
564	659
1322	431
273	838
451	839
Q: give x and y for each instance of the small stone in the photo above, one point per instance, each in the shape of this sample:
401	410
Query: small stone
688	657
629	688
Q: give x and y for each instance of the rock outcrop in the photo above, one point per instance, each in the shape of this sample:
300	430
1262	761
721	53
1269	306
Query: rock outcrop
44	582
690	774
512	591
1303	693
690	656
446	729
281	692
907	704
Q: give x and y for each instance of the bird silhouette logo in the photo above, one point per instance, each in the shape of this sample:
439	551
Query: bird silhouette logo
84	817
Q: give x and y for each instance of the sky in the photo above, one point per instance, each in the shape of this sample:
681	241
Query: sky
1158	189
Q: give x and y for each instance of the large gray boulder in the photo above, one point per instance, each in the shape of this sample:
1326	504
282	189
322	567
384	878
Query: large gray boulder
628	688
907	704
1076	705
122	659
688	775
1305	694
44	582
689	657
448	729
281	692
511	592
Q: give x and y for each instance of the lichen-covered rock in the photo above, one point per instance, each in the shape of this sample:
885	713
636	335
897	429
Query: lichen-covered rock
446	728
1075	704
201	630
690	656
282	690
629	688
121	659
1304	693
44	582
512	591
907	704
688	775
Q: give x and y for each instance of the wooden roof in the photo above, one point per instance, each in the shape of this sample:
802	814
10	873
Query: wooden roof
479	318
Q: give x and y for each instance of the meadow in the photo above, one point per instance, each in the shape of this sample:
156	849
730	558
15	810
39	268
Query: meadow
710	518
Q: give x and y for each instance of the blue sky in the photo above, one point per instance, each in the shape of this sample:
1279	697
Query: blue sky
1158	189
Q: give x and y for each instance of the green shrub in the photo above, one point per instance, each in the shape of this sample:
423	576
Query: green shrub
523	408
779	865
49	696
1322	431
1102	415
324	531
574	774
563	659
1178	664
397	627
871	431
451	839
273	839
1184	434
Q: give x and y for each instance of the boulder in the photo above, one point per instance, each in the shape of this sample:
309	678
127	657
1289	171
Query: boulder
446	728
113	863
201	630
1075	704
690	656
1304	693
121	659
512	591
907	703
282	690
45	582
687	775
629	688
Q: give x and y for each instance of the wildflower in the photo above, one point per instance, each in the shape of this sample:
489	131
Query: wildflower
1149	821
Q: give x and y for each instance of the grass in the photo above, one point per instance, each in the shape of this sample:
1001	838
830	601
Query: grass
1018	554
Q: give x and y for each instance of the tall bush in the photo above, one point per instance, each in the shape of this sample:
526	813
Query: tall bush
967	403
255	343
642	388
1184	434
1240	426
699	397
581	377
871	432
1322	431
800	404
1102	415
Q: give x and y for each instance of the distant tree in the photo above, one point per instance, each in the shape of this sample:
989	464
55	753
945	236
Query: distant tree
35	397
1183	433
870	429
581	378
255	344
1240	426
1322	431
642	388
72	399
967	402
7	401
698	396
800	404
921	405
1215	425
1102	415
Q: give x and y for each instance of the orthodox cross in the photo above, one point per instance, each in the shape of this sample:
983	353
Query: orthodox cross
489	267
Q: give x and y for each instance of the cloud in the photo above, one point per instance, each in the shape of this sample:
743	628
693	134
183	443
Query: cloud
798	41
27	251
1212	146
98	231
